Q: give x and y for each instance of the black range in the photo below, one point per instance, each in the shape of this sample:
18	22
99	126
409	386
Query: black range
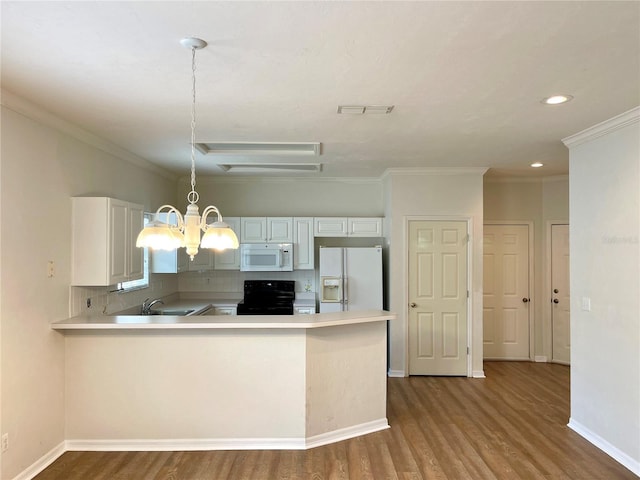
267	297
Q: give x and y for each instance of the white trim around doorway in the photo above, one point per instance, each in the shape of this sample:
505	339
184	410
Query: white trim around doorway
532	290
405	282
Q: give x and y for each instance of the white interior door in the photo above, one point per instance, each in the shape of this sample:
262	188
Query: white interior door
438	298
560	299
506	296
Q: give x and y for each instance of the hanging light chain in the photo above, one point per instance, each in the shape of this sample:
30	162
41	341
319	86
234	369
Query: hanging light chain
193	196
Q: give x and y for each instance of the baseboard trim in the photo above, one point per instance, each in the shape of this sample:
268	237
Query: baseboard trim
42	463
540	359
190	444
185	444
396	373
478	374
615	453
346	433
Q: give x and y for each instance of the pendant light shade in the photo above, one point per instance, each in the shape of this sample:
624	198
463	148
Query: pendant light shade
159	235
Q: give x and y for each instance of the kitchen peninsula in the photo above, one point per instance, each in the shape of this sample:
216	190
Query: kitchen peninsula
165	382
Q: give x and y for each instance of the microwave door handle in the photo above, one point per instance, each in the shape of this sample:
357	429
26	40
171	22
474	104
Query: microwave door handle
280	258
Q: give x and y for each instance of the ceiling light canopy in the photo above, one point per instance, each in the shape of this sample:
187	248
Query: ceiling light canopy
186	231
537	164
557	99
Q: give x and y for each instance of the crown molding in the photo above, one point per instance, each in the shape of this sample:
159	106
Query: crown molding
30	110
604	128
549	179
434	171
218	179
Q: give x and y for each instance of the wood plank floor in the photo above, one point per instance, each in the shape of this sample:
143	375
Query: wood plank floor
511	425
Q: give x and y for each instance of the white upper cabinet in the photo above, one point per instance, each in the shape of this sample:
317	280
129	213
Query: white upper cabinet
172	261
330	227
201	262
303	252
347	227
364	227
103	250
228	259
266	229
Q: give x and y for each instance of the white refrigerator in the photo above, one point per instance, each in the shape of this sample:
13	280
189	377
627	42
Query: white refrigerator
350	279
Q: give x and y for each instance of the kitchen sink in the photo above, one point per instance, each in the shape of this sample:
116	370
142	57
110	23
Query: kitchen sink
180	313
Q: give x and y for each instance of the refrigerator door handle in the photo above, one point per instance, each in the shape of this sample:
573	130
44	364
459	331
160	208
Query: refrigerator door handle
345	292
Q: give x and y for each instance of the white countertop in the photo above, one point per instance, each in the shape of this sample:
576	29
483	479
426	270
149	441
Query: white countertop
209	322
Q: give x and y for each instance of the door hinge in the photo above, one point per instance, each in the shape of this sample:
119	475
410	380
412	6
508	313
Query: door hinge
467	293
467	350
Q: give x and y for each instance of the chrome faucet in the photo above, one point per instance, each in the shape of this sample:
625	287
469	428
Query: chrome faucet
146	306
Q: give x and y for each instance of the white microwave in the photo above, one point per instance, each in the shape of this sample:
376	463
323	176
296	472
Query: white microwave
266	257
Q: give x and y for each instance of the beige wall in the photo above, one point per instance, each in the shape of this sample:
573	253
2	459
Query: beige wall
41	169
278	196
540	201
605	268
445	193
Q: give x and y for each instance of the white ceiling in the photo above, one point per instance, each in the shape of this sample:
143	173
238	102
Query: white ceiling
465	78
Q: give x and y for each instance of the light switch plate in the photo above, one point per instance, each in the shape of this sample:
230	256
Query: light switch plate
586	304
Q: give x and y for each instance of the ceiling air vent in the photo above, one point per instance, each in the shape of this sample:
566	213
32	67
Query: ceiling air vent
259	148
364	109
246	167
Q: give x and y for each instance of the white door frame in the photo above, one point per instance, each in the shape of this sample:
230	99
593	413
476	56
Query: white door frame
532	298
405	280
547	310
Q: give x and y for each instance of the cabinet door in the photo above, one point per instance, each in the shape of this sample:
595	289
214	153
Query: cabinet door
202	261
118	241
228	259
280	229
303	248
304	310
172	261
365	227
225	310
253	230
330	227
136	255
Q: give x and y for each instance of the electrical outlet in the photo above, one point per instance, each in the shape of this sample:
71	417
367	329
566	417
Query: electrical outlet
5	442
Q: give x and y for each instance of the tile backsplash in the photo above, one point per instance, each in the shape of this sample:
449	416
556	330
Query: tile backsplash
105	301
231	282
212	284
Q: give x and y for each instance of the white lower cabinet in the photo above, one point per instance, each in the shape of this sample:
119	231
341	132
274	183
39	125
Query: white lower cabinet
226	310
304	310
103	241
221	310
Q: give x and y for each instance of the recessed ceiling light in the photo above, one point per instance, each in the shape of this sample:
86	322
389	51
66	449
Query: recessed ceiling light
537	164
557	99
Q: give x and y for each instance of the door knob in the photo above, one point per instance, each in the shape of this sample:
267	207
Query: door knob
525	300
413	305
555	290
555	300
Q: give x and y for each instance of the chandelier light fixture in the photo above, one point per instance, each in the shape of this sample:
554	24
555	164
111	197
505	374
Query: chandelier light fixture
165	235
